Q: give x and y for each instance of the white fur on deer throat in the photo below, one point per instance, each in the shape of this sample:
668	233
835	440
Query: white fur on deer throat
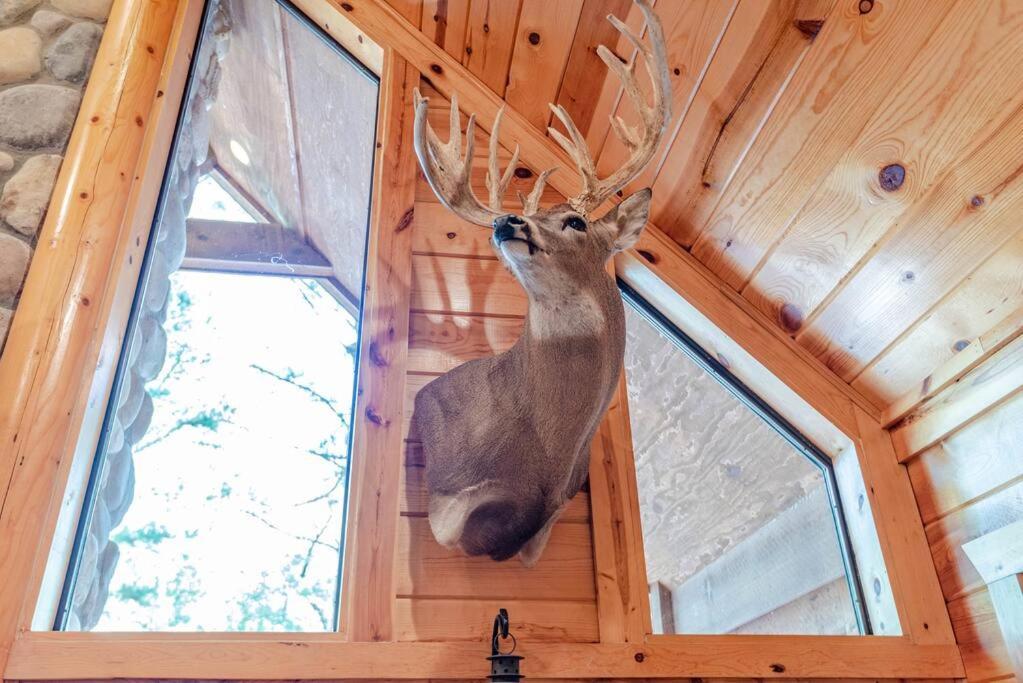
577	314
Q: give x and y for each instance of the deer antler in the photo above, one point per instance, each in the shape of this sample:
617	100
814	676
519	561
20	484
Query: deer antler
450	175
654	117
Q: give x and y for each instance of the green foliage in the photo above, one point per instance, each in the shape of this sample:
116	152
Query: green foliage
150	534
143	595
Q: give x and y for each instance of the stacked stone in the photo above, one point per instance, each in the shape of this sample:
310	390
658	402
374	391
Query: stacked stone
46	51
147	349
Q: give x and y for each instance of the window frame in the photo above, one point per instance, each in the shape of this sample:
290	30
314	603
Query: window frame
63	602
783	427
57	367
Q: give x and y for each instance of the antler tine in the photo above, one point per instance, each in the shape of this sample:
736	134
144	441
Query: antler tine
642	143
531	204
497	184
447	172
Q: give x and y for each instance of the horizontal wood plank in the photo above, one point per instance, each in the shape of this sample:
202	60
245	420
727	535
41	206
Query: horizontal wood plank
415	499
947	535
425	569
439	342
294	656
532	620
979	638
969	463
465	285
977	393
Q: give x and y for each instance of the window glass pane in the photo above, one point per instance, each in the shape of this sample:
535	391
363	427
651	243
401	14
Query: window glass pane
738	528
218	490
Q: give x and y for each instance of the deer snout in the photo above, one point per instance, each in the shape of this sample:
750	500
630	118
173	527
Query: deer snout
505	227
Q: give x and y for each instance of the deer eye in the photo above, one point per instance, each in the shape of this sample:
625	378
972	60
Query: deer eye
574	222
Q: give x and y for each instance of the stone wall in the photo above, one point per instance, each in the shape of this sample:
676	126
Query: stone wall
46	51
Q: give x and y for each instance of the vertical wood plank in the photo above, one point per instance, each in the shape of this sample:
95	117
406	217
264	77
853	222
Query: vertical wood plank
444	22
488	44
622	597
542	43
582	92
368	592
911	570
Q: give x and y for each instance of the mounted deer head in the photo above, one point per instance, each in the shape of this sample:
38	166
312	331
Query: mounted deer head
507	438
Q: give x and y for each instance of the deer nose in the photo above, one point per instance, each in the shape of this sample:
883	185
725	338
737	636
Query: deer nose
504	226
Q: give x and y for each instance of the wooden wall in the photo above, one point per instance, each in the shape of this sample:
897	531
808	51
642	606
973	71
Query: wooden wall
967	485
464	305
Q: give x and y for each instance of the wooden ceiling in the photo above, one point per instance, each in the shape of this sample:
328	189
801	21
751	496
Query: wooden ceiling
851	167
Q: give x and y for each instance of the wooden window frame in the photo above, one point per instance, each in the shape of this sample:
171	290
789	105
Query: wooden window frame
59	360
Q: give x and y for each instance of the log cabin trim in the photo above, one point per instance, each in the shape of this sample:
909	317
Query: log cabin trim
54	656
56	308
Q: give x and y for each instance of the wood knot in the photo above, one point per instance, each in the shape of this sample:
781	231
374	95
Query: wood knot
346	7
648	256
791	317
375	418
435	68
486	28
451	235
977	201
866	6
534	38
375	356
640	657
809	27
909	277
960	345
523	173
891	177
877	586
778	668
406	220
677	71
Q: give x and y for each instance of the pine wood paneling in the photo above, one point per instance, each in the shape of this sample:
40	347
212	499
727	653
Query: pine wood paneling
439	342
814	123
465	285
426	570
764	42
930	117
541	49
445	22
532	620
692	31
586	91
489	40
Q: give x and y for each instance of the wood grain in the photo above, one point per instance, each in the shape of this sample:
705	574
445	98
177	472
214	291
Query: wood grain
62	349
947	535
914	582
425	569
445	22
459	620
929	117
815	121
969	463
440	342
980	391
963	219
692	33
465	285
760	49
979	638
379	412
542	42
489	40
321	656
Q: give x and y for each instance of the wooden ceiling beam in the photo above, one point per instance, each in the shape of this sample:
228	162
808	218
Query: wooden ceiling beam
385	26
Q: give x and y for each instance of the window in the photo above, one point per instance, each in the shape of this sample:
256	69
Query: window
218	490
742	528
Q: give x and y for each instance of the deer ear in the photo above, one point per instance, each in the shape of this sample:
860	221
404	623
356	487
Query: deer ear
628	219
